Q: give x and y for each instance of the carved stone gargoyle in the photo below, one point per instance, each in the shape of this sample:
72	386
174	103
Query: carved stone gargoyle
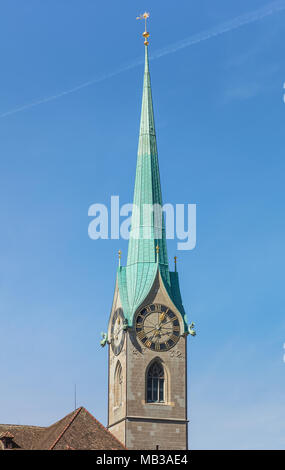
104	341
191	329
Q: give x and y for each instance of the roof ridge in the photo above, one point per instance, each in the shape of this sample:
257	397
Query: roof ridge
6	434
102	426
75	414
23	426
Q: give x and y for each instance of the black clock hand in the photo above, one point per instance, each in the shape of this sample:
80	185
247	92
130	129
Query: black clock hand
167	322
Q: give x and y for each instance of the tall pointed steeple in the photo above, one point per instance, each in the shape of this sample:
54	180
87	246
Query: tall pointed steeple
148	229
147	250
147	329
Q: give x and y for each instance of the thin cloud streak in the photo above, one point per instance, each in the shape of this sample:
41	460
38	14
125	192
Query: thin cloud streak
223	28
74	89
238	22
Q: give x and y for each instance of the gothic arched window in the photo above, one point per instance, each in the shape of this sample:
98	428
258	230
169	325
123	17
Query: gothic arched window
155	383
118	382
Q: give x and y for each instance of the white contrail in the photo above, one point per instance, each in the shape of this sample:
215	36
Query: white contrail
223	28
72	90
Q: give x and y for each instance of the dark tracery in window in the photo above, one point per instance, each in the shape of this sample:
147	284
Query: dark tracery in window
155	383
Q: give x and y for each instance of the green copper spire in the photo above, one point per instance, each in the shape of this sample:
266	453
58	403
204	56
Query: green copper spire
148	229
147	252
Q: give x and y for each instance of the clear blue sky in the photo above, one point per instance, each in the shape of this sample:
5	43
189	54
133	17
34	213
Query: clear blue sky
220	125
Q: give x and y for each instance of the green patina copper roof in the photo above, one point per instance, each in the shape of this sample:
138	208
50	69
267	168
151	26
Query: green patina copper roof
147	188
137	277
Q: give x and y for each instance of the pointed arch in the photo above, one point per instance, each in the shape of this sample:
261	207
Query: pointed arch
156	382
118	385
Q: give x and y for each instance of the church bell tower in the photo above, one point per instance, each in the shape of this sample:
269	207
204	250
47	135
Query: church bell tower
147	332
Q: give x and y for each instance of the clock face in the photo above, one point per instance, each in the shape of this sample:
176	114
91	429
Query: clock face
157	327
117	331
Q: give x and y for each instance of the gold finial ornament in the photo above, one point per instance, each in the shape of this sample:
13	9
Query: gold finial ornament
157	253
120	255
144	17
175	261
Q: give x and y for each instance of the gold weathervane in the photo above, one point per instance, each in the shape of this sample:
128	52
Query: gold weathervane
144	17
